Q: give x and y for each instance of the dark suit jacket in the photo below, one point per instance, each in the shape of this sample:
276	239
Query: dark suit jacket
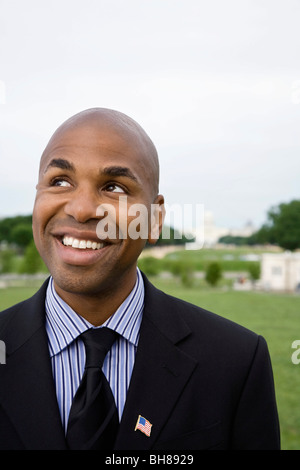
202	381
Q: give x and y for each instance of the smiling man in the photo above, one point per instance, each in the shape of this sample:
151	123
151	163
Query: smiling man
171	375
93	159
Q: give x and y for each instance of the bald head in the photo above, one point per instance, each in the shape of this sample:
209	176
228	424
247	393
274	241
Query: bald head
99	121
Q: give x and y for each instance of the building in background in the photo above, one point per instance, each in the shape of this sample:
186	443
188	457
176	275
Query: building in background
209	235
280	271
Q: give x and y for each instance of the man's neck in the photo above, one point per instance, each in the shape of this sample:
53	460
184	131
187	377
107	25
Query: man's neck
97	308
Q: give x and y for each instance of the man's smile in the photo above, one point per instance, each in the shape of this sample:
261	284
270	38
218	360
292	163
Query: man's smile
79	251
82	244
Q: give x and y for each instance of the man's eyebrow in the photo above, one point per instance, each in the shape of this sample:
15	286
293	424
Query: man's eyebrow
119	171
60	163
109	171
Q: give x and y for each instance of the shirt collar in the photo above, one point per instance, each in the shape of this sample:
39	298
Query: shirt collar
64	325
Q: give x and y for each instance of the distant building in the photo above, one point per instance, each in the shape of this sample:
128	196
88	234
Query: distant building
209	234
246	231
280	271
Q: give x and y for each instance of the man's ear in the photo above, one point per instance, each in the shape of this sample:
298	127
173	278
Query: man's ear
157	218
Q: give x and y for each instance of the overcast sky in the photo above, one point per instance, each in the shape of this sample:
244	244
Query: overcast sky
216	84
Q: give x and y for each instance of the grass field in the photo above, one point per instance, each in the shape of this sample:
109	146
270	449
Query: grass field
275	316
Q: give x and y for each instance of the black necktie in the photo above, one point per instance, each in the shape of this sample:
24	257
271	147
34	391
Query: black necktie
93	420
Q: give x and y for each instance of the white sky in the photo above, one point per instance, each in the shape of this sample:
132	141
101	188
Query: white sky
216	84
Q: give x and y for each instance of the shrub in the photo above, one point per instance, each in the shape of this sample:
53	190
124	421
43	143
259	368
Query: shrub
254	271
32	262
213	273
6	260
21	234
185	270
149	265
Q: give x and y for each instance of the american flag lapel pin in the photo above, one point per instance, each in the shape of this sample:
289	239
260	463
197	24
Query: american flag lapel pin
143	425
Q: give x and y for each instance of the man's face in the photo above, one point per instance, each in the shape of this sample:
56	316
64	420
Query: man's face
82	168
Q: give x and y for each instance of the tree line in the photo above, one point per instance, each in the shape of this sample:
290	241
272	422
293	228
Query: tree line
18	252
17	230
282	228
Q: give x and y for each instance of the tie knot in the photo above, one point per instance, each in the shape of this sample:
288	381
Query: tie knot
98	342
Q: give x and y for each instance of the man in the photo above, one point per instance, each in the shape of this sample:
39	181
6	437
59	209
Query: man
182	378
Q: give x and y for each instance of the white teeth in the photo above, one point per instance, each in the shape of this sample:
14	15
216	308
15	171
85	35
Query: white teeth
81	244
75	243
66	241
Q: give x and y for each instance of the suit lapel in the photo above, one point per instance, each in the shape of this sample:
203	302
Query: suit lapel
27	391
160	373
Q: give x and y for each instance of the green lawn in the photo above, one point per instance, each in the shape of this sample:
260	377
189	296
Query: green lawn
275	316
229	259
13	295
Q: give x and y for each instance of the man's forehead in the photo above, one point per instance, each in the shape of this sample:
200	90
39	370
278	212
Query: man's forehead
72	154
109	131
94	133
90	136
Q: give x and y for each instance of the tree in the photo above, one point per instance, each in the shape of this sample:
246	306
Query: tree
149	265
16	230
21	234
283	226
233	240
254	272
185	270
6	260
213	273
32	262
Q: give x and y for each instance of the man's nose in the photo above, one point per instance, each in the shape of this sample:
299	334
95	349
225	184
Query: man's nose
82	205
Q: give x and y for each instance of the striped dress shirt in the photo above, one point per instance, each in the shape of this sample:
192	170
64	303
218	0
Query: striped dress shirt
67	351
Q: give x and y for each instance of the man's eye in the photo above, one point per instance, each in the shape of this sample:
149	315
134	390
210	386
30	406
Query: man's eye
60	182
114	188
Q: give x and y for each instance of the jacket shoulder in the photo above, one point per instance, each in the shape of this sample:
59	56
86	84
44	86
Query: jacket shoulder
30	306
